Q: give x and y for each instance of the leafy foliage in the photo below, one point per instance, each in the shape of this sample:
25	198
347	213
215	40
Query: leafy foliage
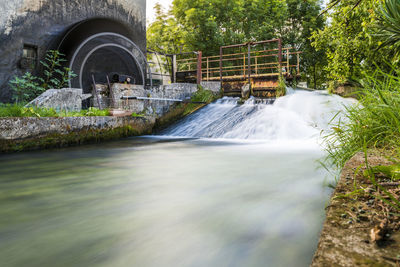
351	41
201	96
28	86
207	25
25	88
55	76
91	112
302	20
389	24
164	34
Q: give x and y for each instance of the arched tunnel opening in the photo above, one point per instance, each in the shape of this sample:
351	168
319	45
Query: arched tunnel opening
108	61
101	48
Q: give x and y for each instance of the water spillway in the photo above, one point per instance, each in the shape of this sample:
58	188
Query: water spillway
301	115
230	185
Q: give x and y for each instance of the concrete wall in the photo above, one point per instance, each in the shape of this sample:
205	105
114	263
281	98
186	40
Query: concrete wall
25	128
42	23
215	87
71	99
155	108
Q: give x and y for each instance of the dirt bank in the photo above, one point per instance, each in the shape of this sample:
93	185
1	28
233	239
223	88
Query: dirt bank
346	237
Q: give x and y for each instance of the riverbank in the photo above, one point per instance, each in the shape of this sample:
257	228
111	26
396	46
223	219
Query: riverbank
346	238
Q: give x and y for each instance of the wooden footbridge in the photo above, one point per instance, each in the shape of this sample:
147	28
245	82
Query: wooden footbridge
258	64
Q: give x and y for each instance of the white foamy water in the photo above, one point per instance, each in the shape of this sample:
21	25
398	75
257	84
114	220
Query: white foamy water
301	115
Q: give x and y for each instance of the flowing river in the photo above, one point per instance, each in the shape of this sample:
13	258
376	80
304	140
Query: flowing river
229	185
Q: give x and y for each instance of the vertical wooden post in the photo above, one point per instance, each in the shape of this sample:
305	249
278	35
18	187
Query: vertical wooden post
256	58
280	55
298	63
199	63
220	65
244	65
288	63
249	62
174	69
208	75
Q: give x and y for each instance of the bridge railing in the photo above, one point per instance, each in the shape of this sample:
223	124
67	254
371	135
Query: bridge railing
241	61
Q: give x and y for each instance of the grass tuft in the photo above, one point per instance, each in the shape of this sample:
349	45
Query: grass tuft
19	110
374	122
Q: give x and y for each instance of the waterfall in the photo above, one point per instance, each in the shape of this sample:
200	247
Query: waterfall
300	115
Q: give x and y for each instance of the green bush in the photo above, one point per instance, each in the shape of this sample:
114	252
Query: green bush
28	86
25	88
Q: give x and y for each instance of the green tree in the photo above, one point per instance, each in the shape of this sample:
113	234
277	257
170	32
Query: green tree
209	24
301	21
349	40
164	34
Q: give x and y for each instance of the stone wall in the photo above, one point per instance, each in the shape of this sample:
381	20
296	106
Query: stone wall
154	108
44	23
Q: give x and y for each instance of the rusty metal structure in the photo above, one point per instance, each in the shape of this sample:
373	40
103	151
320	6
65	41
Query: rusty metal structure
258	64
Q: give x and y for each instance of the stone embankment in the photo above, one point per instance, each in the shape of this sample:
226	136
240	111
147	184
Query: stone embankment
27	133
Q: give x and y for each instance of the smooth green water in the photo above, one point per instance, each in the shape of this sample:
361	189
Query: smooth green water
162	202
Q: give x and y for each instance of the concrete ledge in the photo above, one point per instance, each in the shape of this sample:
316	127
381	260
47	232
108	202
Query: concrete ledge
22	128
21	134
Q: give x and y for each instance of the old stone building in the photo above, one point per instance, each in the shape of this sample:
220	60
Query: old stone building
98	37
